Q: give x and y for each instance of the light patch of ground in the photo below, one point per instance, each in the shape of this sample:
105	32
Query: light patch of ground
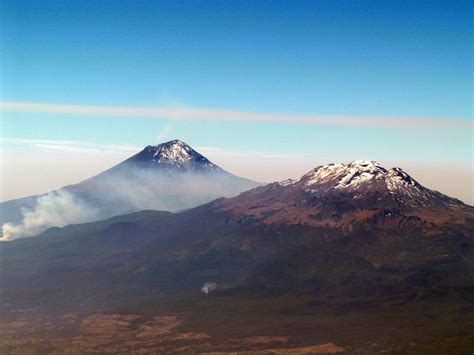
328	348
257	340
123	334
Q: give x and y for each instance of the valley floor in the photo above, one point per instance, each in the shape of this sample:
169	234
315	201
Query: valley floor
223	323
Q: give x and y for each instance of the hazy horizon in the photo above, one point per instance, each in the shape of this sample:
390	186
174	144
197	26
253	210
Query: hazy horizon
267	91
80	163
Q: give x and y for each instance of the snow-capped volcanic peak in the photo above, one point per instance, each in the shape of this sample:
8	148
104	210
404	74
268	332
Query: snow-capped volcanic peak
174	151
174	154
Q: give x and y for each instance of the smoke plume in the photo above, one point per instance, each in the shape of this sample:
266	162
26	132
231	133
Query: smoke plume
121	190
57	208
208	287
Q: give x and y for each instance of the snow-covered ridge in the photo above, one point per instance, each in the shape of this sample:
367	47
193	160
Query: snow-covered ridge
346	174
360	172
287	182
365	180
356	175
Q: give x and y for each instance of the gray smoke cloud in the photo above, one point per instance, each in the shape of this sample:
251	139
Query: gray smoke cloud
57	208
139	189
128	190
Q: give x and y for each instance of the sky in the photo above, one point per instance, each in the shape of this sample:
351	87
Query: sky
267	90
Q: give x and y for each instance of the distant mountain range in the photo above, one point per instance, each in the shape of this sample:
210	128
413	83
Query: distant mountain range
357	211
341	236
171	176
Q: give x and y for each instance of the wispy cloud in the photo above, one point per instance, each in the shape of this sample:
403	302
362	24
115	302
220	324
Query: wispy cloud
247	153
165	131
195	113
70	146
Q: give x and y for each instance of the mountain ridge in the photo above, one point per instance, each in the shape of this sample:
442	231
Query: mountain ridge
347	194
361	175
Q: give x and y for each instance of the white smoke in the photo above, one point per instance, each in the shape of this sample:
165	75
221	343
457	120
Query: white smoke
141	189
57	208
208	287
119	193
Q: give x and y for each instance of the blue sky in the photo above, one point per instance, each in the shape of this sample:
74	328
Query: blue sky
376	60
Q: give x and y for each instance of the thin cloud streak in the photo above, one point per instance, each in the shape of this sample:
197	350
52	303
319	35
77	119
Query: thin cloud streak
248	153
86	147
71	146
195	113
